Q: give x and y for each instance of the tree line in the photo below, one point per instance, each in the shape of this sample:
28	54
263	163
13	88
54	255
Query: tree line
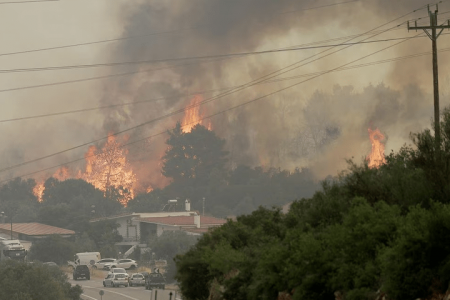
367	234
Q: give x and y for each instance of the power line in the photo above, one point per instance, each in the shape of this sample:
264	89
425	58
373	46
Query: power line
394	59
251	83
317	7
230	55
147	70
133	36
30	1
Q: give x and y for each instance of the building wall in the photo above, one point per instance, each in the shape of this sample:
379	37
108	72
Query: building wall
161	228
129	229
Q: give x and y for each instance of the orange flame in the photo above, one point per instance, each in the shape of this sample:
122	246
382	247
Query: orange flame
38	190
193	116
106	168
376	157
61	174
149	189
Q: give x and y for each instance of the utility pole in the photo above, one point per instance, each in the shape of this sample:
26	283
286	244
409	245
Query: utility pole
434	27
203	206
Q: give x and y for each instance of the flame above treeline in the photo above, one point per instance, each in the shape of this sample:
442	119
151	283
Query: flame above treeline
194	116
107	167
376	157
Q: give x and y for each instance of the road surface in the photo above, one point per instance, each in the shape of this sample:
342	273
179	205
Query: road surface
92	288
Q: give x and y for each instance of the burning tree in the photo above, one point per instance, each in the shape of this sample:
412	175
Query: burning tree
376	157
108	170
194	116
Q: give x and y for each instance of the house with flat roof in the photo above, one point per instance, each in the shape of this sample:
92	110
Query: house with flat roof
138	228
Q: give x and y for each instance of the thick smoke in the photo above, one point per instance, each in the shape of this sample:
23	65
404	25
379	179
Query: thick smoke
316	124
305	126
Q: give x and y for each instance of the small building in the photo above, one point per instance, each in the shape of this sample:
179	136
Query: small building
195	224
32	231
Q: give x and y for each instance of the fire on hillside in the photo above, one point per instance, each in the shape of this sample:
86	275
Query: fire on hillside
107	167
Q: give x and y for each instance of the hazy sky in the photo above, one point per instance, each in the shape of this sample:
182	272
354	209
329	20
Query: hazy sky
395	97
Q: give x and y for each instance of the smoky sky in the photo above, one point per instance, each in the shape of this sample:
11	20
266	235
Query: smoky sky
317	124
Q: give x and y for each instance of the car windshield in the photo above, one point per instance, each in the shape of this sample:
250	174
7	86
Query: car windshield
120	276
138	276
82	268
119	270
155	275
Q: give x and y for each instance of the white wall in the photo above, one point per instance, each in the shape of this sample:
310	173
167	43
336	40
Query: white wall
132	231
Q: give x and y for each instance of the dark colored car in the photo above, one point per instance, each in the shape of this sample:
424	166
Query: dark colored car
155	280
81	271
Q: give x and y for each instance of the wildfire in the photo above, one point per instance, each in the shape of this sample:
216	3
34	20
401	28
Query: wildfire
376	157
38	190
106	168
61	174
193	116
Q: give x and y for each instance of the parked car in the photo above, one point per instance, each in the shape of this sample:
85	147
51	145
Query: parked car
136	279
155	280
122	263
119	271
115	280
81	271
101	263
50	264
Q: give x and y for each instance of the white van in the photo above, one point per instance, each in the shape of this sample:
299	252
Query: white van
85	258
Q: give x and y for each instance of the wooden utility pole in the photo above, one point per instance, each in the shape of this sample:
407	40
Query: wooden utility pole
434	27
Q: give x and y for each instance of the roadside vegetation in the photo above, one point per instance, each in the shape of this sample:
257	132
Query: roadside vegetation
366	234
24	281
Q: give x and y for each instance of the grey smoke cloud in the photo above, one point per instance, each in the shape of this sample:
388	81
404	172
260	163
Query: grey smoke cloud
303	127
317	124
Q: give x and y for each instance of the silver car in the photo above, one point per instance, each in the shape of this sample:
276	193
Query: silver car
119	271
115	280
136	279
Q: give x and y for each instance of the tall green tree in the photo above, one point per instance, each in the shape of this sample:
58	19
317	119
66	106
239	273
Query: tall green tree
71	203
18	201
192	156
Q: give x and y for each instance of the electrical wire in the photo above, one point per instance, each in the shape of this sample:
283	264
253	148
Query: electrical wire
394	59
30	1
191	106
135	36
145	71
241	54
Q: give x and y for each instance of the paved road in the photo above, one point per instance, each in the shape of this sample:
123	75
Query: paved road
92	287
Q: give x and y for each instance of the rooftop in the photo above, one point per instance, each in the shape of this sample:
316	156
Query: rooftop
34	229
147	215
184	220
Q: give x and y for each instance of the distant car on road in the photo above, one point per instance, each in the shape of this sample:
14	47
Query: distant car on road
136	279
115	280
122	263
155	280
101	263
81	271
